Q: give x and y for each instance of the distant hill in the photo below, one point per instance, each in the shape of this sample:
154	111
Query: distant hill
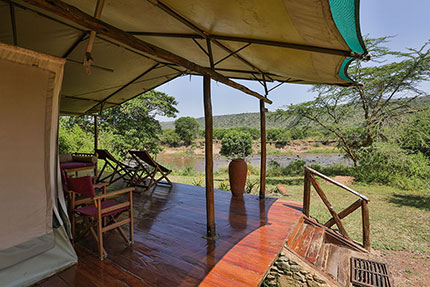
253	119
232	121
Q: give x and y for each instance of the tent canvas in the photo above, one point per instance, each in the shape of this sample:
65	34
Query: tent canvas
31	195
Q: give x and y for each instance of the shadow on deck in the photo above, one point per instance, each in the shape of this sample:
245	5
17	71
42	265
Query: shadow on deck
170	250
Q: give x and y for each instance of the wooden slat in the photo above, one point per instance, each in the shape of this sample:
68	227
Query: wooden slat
329	206
116	224
337	183
366	225
116	207
344	213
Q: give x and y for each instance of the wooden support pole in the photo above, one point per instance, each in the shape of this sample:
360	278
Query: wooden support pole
96	140
96	134
263	150
210	204
307	193
75	15
366	224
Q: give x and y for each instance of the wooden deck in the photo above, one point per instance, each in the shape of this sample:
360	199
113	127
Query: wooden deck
170	250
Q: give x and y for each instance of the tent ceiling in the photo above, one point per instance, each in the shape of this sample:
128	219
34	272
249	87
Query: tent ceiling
287	41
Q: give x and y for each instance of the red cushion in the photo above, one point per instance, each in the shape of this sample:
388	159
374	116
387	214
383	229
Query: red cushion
75	164
91	210
82	185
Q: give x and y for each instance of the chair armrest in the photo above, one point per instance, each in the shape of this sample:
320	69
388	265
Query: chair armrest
118	192
101	184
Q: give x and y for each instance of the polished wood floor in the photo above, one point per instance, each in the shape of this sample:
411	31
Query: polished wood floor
170	249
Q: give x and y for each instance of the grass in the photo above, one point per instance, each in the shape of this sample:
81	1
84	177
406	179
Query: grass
399	219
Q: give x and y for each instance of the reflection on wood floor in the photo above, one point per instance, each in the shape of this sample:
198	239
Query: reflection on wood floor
170	249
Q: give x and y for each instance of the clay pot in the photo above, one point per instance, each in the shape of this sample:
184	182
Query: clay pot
237	171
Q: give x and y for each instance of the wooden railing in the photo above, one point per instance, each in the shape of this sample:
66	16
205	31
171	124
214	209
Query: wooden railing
362	202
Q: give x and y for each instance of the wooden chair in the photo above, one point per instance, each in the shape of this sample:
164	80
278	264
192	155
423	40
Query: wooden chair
100	213
147	169
120	170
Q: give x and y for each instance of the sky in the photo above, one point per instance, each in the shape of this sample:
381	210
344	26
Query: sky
408	21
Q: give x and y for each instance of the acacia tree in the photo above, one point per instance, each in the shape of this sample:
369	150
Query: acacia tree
390	83
187	128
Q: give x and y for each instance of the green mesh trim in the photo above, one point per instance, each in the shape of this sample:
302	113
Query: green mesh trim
345	16
344	68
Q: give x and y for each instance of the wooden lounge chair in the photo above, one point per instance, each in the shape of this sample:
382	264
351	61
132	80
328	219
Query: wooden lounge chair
147	169
120	170
100	213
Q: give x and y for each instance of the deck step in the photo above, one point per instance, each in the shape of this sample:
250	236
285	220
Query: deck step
322	248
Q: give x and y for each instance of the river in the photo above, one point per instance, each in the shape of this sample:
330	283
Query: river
179	162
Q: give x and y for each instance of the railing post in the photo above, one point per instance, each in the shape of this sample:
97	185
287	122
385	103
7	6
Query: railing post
307	193
366	224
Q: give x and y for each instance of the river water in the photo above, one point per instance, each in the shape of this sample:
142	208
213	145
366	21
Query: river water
179	162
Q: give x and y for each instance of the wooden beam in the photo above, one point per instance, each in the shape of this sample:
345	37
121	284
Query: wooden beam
280	44
210	204
263	150
75	15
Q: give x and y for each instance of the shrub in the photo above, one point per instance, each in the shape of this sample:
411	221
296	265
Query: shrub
387	163
236	145
280	136
294	168
170	138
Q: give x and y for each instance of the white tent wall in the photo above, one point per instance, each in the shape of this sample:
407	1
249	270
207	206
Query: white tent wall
30	248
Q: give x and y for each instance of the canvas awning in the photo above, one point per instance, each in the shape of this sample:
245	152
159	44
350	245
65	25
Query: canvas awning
296	41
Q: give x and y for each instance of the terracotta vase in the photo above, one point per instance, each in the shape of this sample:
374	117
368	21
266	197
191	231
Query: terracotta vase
237	171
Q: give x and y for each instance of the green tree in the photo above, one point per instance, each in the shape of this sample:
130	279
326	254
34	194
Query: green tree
236	144
131	125
187	128
390	83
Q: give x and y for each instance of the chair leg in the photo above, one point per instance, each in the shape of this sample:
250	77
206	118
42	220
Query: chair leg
130	213
100	239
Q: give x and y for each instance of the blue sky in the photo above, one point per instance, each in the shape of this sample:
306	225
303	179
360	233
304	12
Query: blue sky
407	20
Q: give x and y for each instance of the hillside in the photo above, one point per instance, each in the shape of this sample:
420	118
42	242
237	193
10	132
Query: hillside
252	120
236	120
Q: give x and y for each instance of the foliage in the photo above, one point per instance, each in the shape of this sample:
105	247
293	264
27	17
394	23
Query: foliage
415	136
224	185
294	168
73	139
236	145
131	125
135	124
387	163
170	138
198	181
280	136
253	132
355	115
187	128
251	185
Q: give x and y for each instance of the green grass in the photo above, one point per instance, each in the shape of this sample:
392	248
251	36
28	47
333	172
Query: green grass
399	219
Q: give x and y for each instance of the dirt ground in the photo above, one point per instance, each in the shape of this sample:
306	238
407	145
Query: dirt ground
407	269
